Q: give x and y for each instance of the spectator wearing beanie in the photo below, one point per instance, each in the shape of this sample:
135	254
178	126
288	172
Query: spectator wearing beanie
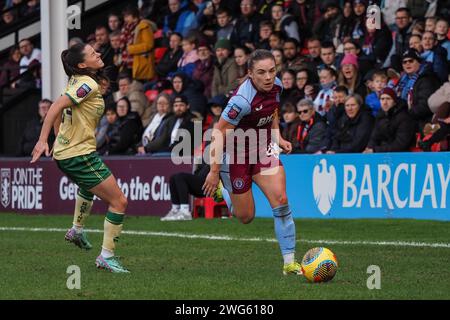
349	76
225	69
394	129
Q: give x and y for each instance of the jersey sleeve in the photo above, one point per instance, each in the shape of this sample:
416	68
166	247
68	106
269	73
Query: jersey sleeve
81	89
236	109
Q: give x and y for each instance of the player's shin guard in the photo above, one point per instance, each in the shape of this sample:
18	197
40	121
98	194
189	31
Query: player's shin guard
83	205
285	231
112	229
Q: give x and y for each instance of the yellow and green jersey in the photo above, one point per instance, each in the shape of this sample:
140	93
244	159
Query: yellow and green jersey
76	135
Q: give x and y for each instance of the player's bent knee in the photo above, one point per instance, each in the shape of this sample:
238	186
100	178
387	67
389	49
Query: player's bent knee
245	218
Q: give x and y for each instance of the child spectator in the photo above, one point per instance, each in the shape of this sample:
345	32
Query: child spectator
379	82
323	102
186	64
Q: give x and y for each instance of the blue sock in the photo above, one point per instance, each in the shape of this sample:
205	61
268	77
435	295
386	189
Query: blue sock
284	229
226	197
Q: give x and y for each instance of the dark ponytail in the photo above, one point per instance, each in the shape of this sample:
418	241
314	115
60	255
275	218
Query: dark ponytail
72	57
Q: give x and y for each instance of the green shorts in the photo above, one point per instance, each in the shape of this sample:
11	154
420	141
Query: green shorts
86	171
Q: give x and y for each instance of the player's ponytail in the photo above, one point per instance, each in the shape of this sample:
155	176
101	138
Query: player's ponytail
72	57
258	55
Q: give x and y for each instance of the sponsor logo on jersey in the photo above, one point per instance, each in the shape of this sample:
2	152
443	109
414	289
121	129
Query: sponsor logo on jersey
234	112
238	183
83	90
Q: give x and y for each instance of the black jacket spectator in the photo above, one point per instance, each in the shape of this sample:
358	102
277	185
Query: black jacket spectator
245	30
193	90
31	136
289	131
168	62
353	135
305	16
161	138
327	26
425	86
333	117
127	135
394	131
187	123
376	46
161	141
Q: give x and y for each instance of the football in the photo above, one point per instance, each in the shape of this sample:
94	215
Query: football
319	265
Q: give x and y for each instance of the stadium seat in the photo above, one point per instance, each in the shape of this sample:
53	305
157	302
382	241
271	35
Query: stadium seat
210	208
151	95
159	53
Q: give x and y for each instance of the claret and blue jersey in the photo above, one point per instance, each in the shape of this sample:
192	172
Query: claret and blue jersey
250	109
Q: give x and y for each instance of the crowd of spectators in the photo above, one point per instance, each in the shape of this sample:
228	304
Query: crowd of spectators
14	10
349	85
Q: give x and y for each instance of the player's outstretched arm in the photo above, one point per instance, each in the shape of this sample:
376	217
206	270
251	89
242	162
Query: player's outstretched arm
53	113
216	158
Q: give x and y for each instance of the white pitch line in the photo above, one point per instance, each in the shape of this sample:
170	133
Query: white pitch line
228	238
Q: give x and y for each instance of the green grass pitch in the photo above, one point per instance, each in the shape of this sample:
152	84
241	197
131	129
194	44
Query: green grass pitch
168	265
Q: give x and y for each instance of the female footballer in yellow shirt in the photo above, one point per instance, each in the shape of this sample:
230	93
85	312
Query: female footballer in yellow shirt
75	116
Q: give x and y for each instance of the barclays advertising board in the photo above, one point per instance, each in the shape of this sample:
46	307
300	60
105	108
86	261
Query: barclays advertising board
389	185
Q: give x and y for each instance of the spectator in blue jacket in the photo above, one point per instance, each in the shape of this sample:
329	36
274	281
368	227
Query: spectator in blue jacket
180	19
